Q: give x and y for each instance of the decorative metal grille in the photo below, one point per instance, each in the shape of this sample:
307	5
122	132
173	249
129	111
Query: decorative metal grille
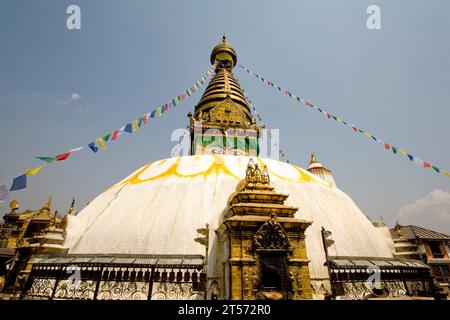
68	289
175	291
42	288
122	278
360	290
116	290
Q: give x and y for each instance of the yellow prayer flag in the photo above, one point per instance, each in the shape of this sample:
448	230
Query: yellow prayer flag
446	174
33	171
368	135
402	152
158	111
135	126
101	143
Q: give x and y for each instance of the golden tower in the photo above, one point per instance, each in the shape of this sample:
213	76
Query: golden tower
222	122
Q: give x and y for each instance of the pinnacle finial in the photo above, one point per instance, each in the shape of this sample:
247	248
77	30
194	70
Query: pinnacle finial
313	158
48	205
72	207
224	38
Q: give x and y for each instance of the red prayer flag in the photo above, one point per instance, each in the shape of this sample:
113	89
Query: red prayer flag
356	129
115	134
144	119
166	107
426	164
329	116
183	97
63	156
387	146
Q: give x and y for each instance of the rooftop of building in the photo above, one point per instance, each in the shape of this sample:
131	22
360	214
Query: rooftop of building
412	232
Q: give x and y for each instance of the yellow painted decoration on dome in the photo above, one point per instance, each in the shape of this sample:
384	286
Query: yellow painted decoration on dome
212	165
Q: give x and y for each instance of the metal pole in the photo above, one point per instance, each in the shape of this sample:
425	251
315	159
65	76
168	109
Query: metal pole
150	284
328	262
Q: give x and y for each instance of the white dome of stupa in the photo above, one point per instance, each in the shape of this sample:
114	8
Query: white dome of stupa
158	208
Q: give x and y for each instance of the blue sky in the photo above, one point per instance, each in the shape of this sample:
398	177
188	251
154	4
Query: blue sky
131	56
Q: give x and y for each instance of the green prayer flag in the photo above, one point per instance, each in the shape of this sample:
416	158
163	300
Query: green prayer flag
361	131
46	159
436	169
394	149
106	137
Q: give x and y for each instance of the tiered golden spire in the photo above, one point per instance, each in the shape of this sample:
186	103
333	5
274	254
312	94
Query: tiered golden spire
223	85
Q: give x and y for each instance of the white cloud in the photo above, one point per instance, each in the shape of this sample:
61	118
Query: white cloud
73	97
76	96
431	211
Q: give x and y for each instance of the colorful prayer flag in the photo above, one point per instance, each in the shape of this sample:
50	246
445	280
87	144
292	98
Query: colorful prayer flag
115	135
46	159
76	149
33	171
62	156
394	149
128	128
387	146
134	126
19	182
101	143
402	152
426	164
93	146
106	137
152	115
410	157
158	112
436	169
446	174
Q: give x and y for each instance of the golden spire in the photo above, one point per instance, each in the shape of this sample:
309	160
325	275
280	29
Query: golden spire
72	207
48	205
223	86
313	159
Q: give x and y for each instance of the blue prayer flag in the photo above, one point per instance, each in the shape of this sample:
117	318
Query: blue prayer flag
93	147
128	128
19	183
